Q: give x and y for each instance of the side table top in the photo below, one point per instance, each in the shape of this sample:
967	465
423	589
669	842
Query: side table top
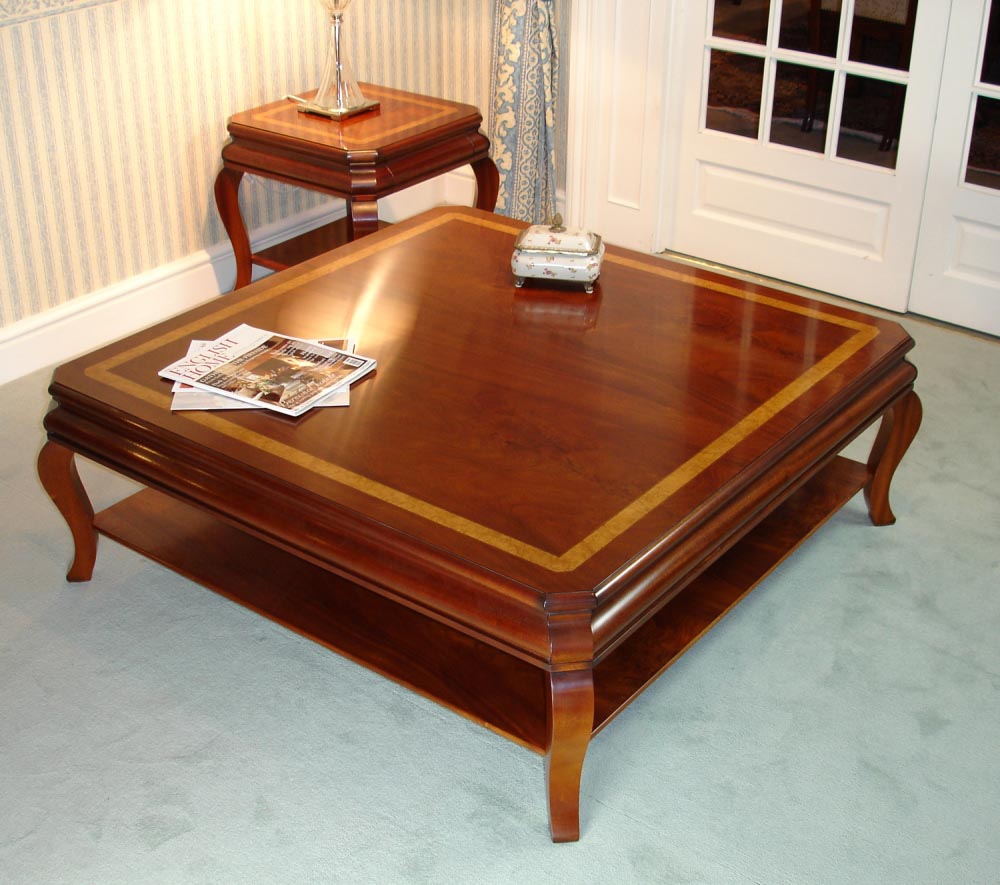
401	119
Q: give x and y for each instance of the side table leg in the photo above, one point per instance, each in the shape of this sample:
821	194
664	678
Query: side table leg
58	475
487	184
227	200
570	724
363	218
898	428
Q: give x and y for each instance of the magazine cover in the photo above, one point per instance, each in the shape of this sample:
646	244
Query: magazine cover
188	398
264	369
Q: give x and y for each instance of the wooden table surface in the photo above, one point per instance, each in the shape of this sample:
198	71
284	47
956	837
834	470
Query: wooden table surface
536	471
408	139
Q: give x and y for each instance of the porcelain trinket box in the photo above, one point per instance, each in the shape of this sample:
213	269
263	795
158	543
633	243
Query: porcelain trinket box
555	253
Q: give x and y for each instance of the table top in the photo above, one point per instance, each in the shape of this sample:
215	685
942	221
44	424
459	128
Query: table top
401	119
537	438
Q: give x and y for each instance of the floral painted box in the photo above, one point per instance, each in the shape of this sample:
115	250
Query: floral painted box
555	253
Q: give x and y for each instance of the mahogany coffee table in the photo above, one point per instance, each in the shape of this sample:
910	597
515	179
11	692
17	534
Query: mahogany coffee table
539	500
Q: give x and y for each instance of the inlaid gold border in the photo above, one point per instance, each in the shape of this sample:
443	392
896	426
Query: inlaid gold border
306	126
584	549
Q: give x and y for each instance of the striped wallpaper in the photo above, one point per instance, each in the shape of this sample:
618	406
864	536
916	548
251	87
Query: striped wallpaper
113	115
21	10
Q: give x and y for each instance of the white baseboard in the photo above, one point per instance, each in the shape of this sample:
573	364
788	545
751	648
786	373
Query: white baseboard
100	317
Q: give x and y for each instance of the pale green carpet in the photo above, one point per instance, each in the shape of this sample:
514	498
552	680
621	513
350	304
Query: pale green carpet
841	726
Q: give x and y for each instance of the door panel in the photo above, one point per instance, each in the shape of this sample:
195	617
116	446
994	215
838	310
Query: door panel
957	271
813	216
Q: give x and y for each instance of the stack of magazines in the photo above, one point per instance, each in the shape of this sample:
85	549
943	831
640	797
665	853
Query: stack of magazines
251	368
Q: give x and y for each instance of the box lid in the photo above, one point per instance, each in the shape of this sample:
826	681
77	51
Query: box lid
556	238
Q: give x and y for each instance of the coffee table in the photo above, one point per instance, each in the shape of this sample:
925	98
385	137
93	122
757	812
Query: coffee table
539	500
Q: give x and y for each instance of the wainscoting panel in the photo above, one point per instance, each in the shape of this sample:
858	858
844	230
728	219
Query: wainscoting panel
799	213
977	252
628	112
615	98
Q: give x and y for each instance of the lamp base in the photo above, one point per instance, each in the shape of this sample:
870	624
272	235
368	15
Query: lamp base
308	107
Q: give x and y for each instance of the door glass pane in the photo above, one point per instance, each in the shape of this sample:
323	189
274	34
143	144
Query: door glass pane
882	32
984	148
801	106
735	82
991	57
741	20
869	122
808	26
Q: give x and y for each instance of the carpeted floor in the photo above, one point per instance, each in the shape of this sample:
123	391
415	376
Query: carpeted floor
842	725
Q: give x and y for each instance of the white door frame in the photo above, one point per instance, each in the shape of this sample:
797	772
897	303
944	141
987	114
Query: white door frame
617	114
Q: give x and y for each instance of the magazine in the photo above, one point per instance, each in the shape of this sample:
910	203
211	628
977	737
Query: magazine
188	398
264	369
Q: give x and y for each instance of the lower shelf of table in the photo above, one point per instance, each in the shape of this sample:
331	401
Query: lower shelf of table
308	245
462	672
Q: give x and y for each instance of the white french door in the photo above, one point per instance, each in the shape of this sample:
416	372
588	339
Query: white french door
804	130
957	272
852	146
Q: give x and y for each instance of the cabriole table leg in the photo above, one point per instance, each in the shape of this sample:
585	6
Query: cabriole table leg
227	201
487	184
363	217
570	724
898	428
58	475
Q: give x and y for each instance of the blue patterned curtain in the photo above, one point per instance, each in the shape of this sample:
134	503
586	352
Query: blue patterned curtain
522	115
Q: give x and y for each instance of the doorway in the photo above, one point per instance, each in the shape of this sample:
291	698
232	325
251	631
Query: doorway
805	130
797	140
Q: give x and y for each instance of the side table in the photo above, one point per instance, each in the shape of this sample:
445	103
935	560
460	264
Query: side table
410	138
